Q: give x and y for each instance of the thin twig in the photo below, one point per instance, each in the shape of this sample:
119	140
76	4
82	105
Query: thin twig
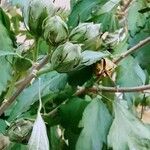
131	50
26	81
124	89
95	89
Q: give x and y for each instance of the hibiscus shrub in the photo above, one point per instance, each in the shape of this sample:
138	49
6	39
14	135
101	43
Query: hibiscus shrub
74	74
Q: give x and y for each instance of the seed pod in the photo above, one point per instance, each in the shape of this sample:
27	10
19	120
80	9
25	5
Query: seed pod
38	10
55	30
62	8
20	131
113	39
88	34
66	57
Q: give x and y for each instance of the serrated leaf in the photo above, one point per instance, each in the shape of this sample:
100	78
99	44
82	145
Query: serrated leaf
108	6
127	131
135	19
50	82
5	67
39	139
130	74
91	57
96	122
82	11
143	54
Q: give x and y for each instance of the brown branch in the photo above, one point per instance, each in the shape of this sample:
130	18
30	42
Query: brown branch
124	89
126	5
26	81
131	50
95	89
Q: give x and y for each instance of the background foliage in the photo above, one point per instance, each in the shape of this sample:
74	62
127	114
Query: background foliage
52	83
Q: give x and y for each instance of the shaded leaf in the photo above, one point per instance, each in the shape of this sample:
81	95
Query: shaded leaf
129	69
56	141
70	115
143	54
19	62
79	77
96	122
71	112
39	139
127	131
16	146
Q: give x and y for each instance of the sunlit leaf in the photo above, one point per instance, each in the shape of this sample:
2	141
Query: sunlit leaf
127	131
107	7
50	82
96	122
82	11
5	45
130	74
91	57
136	21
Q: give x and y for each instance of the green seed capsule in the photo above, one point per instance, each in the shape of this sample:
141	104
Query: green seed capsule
87	34
55	30
66	57
38	10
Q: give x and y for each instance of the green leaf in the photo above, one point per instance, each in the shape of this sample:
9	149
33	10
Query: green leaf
107	7
108	97
91	57
19	62
127	131
71	112
135	19
143	54
130	74
3	126
56	141
70	115
96	122
50	82
17	146
18	2
5	66
82	11
39	139
79	77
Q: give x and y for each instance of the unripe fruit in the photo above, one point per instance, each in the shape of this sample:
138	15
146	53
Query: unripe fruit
55	30
66	57
87	34
38	10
